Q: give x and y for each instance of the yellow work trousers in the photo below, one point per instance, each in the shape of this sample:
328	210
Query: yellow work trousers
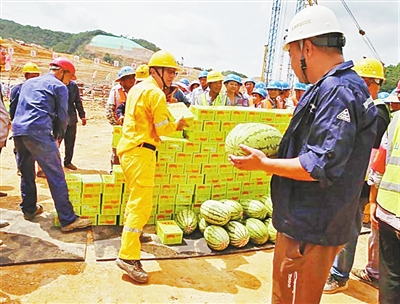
138	166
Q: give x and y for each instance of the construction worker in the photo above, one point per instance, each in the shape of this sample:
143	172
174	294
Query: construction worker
299	89
142	72
29	70
232	84
5	124
118	94
285	93
183	85
192	86
394	99
201	89
385	216
274	101
213	95
146	119
249	85
322	159
371	71
40	120
258	97
180	93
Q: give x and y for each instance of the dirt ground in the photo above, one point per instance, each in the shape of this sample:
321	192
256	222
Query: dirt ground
239	278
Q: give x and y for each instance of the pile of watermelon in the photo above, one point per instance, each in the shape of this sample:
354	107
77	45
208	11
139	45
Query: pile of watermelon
228	222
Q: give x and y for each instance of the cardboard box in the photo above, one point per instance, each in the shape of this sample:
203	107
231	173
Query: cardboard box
203	190
212	178
108	220
173	144
223	114
111	199
166	156
242	176
238	114
161	178
90	209
192	168
203	112
177	178
218	189
74	182
110	209
175	168
195	179
161	167
179	110
225	168
90	199
169	232
197	125
184	157
166	199
168	189
118	174
75	199
197	136
209	147
183	199
182	207
221	147
233	186
163	217
116	136
200	158
209	169
218	158
227	126
166	209
92	218
211	125
185	189
110	186
191	147
217	136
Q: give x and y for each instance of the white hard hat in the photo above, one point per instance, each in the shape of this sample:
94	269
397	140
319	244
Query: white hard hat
312	21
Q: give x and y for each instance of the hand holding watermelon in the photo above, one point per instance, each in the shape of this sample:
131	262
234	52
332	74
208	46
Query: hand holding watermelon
251	162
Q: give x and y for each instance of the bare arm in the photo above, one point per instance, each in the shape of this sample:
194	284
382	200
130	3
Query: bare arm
257	160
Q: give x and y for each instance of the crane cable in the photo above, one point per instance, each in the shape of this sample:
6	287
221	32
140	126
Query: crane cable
361	31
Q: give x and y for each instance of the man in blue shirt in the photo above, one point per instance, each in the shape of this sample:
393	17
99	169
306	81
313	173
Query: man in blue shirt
321	162
41	118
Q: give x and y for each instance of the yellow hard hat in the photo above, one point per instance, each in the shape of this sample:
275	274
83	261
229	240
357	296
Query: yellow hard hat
142	72
370	68
163	59
30	67
214	76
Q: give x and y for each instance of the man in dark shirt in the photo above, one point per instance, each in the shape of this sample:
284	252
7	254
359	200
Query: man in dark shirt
74	104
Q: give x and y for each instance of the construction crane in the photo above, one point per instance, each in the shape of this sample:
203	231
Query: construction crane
270	48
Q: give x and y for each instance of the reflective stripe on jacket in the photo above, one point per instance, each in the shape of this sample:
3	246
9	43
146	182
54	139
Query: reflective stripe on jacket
389	189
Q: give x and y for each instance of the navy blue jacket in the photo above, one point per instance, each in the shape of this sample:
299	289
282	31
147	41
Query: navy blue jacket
332	132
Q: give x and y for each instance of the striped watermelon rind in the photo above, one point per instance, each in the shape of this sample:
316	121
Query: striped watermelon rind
203	224
266	200
239	236
215	212
255	135
254	208
216	237
235	209
186	219
258	231
271	230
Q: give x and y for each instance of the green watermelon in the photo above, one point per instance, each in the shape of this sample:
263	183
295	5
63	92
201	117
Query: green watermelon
255	135
235	209
258	231
203	224
186	219
254	208
271	230
215	212
216	237
268	203
238	234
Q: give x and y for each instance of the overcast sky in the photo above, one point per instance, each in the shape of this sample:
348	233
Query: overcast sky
222	35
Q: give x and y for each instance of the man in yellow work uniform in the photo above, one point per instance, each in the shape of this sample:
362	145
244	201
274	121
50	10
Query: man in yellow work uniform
146	119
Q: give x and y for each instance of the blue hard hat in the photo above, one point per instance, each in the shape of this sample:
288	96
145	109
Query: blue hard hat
261	92
274	85
233	77
125	71
260	85
300	86
308	86
383	95
203	74
250	80
185	81
285	85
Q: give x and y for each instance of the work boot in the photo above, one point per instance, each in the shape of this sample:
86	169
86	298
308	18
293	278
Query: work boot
79	223
71	167
134	269
145	238
332	285
31	216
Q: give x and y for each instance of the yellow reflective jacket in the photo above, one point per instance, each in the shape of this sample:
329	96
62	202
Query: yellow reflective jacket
146	116
389	188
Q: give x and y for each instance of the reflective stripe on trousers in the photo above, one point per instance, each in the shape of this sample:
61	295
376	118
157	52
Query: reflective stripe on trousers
138	166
